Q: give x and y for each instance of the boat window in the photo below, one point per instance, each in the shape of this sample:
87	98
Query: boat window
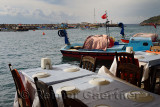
145	44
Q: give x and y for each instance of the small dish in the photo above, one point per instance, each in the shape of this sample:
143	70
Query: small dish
139	96
151	54
138	56
99	81
74	69
102	105
41	75
68	89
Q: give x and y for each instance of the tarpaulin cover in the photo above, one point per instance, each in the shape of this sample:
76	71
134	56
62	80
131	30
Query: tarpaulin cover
153	36
98	42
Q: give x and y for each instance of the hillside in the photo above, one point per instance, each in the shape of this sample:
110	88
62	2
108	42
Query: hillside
155	19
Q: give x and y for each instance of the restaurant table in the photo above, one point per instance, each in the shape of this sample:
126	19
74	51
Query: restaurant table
57	73
111	94
147	61
91	95
152	60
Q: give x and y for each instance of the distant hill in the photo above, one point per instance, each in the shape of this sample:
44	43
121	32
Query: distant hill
155	19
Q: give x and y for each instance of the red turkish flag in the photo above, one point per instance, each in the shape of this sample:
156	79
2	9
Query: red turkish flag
104	16
153	25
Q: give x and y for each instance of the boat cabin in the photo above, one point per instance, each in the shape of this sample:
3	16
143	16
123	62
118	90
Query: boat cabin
140	43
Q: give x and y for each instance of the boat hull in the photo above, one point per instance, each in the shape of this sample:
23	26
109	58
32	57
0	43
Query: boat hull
98	55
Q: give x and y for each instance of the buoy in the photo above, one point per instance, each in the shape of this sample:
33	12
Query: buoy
33	30
43	33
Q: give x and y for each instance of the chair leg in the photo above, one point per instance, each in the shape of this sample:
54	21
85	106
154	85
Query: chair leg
147	84
153	82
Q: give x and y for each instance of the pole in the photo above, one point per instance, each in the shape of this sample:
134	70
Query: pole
107	24
107	28
94	16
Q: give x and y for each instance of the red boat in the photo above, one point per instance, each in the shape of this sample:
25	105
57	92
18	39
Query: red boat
125	40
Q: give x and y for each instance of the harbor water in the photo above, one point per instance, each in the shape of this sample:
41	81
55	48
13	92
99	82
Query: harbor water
24	50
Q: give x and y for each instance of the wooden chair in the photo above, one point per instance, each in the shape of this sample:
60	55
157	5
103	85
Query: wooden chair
155	48
88	62
155	75
22	93
131	73
69	102
46	94
124	57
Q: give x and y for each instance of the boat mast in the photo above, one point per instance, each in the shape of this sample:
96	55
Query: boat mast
107	24
94	16
107	28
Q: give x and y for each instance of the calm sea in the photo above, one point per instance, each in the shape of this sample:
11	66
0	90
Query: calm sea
25	49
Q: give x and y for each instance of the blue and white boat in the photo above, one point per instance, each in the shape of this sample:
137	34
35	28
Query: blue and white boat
76	50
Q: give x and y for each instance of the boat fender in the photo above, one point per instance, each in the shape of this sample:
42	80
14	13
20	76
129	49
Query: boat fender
62	33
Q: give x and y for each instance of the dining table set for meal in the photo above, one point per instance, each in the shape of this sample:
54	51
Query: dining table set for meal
151	58
146	59
58	73
100	89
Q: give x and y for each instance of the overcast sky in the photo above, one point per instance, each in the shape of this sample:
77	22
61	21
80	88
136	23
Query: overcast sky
76	11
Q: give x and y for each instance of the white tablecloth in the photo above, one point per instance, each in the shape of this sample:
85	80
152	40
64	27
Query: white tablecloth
90	94
57	73
124	85
111	94
152	60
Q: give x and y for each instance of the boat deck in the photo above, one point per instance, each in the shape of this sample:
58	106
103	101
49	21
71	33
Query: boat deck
114	48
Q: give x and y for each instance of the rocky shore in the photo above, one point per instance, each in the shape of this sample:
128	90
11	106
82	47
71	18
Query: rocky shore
155	20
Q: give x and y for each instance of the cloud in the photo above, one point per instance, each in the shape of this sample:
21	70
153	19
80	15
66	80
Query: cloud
73	11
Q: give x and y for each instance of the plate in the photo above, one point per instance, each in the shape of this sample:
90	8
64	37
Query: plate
102	105
99	81
68	89
74	69
41	75
139	96
151	54
138	56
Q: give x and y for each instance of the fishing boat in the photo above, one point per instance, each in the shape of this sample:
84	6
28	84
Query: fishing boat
153	36
93	27
102	49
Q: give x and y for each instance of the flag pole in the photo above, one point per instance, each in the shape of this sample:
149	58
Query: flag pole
107	28
107	24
